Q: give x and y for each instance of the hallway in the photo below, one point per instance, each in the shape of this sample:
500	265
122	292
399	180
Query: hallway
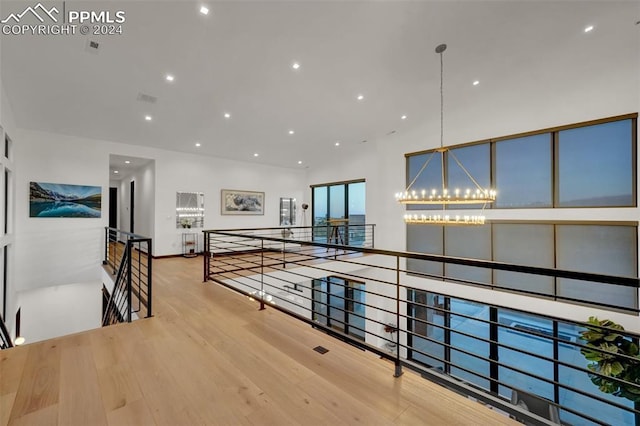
209	356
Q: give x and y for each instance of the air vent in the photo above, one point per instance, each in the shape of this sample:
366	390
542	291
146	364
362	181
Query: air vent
143	97
321	350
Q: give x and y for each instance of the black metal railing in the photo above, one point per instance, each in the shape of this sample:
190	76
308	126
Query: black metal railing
5	338
486	350
128	256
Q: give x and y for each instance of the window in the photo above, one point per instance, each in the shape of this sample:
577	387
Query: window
339	303
344	200
523	172
596	165
601	249
428	169
425	239
476	160
524	244
473	242
582	165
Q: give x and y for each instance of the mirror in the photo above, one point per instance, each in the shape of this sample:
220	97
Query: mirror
189	210
287	211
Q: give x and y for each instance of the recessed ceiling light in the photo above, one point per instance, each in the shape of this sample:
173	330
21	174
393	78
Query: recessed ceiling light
204	10
147	117
588	29
299	161
127	162
360	97
291	132
227	115
255	154
198	144
116	172
169	77
404	117
476	82
295	66
338	143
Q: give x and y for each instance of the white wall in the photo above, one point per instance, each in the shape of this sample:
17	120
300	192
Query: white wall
55	251
144	200
59	310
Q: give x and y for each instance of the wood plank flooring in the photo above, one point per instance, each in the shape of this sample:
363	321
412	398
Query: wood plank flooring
210	357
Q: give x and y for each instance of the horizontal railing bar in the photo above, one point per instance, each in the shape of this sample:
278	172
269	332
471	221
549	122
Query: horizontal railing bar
540	378
488	264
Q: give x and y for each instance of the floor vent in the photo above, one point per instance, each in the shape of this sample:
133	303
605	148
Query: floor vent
321	350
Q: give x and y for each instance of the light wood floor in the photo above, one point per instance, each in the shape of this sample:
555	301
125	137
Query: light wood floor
210	357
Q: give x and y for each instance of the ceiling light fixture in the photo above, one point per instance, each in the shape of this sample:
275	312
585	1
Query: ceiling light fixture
169	77
127	162
588	29
338	143
198	144
295	66
476	82
116	172
291	132
204	10
227	115
255	154
404	117
299	161
360	97
147	117
441	195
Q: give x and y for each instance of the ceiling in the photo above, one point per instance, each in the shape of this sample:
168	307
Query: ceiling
238	60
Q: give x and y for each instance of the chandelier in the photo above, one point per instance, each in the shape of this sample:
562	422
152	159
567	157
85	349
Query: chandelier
442	195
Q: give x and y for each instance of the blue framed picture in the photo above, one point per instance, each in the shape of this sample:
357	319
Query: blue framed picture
62	200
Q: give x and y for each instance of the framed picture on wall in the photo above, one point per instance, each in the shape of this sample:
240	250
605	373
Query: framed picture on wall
242	202
64	200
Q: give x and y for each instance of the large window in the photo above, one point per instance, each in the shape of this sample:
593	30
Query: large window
582	165
502	350
523	172
596	165
600	249
597	248
343	200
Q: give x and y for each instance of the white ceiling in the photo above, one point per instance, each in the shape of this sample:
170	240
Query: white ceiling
238	59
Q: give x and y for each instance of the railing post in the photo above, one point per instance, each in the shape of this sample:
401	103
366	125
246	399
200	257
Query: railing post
149	280
398	364
373	234
106	245
261	275
128	249
207	260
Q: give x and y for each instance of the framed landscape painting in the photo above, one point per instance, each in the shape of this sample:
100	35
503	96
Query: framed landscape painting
242	202
62	200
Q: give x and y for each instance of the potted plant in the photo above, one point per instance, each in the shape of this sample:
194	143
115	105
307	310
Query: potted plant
613	356
186	222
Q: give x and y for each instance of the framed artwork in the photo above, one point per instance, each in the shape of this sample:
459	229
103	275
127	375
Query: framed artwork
63	200
242	202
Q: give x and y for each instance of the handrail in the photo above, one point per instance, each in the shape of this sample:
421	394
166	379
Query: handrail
5	338
130	257
483	349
